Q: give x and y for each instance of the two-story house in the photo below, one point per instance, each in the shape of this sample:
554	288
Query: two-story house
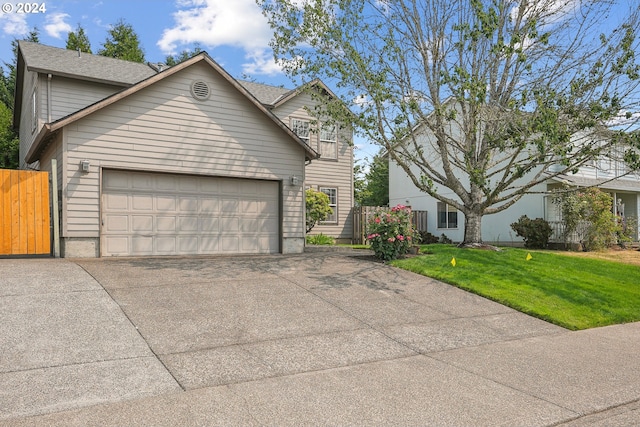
332	172
151	160
609	175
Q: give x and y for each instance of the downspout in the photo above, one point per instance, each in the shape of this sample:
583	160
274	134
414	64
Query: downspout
48	98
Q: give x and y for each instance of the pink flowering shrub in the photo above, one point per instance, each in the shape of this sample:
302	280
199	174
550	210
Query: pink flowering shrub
390	233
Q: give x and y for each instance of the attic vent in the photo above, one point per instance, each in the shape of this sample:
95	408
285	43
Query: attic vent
200	90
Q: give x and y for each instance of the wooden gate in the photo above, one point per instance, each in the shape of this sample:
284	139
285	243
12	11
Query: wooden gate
24	213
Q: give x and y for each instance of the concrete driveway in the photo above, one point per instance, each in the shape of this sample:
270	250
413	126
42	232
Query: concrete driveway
313	339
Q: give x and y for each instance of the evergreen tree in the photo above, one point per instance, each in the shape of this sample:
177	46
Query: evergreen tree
79	40
9	142
122	43
172	60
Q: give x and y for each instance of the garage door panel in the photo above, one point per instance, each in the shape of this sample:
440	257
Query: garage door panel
229	225
230	206
165	245
230	244
188	204
158	214
118	245
144	182
142	245
209	225
166	224
209	244
188	183
165	203
209	206
118	223
142	202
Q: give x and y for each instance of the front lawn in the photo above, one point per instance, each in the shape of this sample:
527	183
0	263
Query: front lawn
576	293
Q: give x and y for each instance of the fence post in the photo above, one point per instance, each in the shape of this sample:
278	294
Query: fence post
54	198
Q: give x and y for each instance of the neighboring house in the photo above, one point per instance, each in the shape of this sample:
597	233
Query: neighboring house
496	228
332	173
159	162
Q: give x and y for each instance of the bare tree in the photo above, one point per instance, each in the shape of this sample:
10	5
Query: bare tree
487	98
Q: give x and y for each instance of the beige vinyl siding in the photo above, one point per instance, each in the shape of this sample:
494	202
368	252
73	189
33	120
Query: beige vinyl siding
27	135
331	173
71	95
162	128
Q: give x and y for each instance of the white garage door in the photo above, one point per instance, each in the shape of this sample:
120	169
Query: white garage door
163	214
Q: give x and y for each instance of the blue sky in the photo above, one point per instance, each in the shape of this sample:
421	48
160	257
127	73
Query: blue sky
233	32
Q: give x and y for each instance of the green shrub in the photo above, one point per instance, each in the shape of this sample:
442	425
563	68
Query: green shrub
391	233
427	238
445	240
627	230
318	209
593	207
320	239
536	232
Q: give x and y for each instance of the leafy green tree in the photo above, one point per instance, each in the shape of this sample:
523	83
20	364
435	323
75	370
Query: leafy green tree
9	142
78	40
376	190
172	60
122	43
483	99
8	81
318	208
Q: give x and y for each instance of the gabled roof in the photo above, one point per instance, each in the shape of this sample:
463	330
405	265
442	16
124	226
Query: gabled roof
266	94
274	96
83	66
50	128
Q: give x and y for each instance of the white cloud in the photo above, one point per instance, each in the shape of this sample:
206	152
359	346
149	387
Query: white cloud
213	23
14	24
624	118
262	62
55	25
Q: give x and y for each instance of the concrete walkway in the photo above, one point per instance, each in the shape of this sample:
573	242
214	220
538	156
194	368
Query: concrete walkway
313	339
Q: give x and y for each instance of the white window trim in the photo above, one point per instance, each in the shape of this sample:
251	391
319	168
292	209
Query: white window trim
307	138
333	206
334	153
447	211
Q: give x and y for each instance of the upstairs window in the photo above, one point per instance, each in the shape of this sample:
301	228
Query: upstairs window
447	216
301	128
328	141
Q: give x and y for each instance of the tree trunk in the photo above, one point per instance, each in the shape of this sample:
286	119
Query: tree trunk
472	229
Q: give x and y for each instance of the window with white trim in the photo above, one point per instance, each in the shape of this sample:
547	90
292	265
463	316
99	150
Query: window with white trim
447	216
328	141
333	204
301	128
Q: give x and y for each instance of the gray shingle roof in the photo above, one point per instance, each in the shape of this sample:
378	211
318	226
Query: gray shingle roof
266	94
65	62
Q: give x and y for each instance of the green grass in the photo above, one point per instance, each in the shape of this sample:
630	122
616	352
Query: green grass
576	293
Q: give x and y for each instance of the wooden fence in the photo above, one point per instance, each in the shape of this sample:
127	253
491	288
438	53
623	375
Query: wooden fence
24	213
362	214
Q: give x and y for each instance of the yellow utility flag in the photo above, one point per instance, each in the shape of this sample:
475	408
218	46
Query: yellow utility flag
453	261
529	257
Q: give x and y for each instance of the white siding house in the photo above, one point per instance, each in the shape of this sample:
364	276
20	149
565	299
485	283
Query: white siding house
183	161
496	229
